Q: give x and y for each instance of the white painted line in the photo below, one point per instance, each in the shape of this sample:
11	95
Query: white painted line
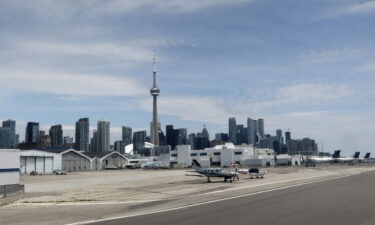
79	203
205	203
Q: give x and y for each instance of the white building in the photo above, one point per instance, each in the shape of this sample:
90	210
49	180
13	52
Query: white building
45	162
258	160
9	166
41	162
288	160
220	155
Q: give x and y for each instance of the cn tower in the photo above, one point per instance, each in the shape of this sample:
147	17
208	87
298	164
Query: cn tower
154	91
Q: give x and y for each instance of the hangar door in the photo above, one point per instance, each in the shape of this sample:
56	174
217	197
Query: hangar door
39	164
48	165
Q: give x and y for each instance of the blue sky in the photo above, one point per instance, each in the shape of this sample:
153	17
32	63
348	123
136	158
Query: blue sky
306	66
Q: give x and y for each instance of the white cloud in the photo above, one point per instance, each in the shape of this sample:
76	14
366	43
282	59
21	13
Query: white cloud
299	96
69	84
108	51
66	10
361	8
330	55
369	67
191	108
350	9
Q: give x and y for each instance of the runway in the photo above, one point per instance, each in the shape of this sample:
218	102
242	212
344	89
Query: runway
349	200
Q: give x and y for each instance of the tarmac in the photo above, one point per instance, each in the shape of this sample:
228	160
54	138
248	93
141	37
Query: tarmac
170	197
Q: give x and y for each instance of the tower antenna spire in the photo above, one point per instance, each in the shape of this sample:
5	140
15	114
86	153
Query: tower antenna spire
154	61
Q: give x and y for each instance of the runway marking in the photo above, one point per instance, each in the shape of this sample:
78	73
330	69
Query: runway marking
80	203
264	184
207	202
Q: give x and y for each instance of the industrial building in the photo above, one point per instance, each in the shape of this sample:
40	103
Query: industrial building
41	162
74	161
9	171
45	162
107	160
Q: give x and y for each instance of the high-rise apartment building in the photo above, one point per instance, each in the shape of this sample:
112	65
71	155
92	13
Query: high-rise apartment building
288	137
182	136
261	128
8	137
103	136
171	136
139	139
82	134
251	131
279	134
32	133
232	130
94	141
192	141
126	135
56	135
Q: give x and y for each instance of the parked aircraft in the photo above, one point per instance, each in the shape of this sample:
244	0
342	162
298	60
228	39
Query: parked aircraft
367	158
214	172
334	159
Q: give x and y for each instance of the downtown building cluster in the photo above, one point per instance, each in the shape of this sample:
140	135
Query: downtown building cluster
139	142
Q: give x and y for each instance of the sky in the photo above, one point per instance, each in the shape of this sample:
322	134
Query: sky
303	66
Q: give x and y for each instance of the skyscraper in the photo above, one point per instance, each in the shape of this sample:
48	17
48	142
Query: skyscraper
32	133
288	137
182	136
126	135
172	136
192	141
154	91
8	137
261	128
103	136
94	142
4	137
239	133
251	131
232	130
279	134
139	139
82	134
56	134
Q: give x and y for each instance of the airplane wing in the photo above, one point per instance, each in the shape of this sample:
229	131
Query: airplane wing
195	175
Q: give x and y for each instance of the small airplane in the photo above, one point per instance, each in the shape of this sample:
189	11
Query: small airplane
253	172
214	172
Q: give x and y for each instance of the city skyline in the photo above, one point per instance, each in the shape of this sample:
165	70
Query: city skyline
303	66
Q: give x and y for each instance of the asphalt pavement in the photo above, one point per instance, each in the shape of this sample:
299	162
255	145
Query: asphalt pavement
349	200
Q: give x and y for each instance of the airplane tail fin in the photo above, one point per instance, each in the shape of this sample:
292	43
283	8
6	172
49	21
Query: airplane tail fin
367	156
356	155
195	162
336	154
